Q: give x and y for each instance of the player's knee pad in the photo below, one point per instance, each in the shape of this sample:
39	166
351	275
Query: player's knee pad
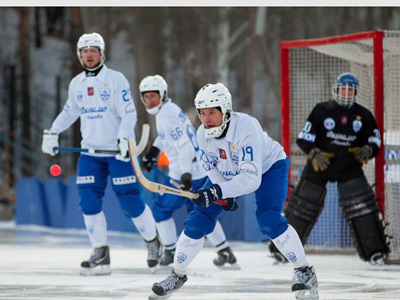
304	206
199	224
130	200
271	223
160	213
364	217
90	200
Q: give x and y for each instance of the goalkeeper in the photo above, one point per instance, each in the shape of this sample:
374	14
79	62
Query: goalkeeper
339	136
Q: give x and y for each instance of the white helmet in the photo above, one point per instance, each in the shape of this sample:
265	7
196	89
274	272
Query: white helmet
88	40
155	83
215	95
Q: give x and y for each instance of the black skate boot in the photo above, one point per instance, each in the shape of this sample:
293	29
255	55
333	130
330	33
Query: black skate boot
153	253
226	259
98	263
169	285
306	284
167	257
278	256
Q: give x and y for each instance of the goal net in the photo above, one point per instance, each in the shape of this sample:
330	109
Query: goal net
309	68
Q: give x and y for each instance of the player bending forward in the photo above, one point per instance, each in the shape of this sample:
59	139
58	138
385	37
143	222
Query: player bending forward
177	137
240	158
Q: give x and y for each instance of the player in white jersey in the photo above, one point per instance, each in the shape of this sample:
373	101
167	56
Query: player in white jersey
101	98
177	138
240	158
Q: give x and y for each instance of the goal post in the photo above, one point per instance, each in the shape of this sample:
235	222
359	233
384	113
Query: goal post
309	69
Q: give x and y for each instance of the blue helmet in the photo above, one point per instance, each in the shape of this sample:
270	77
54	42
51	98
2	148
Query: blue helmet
347	96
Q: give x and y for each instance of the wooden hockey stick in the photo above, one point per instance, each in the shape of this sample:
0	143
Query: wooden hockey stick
150	185
158	187
139	149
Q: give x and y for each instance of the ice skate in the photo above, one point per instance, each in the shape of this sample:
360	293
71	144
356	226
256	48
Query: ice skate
167	257
153	254
226	260
306	284
169	285
98	263
377	259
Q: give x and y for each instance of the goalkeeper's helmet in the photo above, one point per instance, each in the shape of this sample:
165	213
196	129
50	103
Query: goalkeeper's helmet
155	83
215	95
345	89
91	40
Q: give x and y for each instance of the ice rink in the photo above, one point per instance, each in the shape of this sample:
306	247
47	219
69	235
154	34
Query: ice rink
38	263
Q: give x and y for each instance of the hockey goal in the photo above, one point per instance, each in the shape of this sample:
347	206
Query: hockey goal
309	68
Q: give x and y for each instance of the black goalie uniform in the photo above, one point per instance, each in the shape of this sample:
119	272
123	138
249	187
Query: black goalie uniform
338	132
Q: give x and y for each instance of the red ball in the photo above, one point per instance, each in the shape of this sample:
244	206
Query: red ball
55	170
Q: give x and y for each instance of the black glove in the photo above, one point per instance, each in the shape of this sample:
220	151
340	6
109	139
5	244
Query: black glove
186	180
150	158
319	160
208	195
363	154
231	204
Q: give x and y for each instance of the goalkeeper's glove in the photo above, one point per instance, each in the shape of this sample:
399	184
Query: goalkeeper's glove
319	160
362	154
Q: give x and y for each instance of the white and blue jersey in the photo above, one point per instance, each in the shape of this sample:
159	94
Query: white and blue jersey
105	107
177	138
237	161
107	112
245	160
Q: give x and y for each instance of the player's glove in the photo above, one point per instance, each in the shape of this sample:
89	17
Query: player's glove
231	204
362	154
123	150
50	140
319	160
150	158
186	180
208	195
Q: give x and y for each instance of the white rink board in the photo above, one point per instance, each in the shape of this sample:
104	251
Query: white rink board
38	263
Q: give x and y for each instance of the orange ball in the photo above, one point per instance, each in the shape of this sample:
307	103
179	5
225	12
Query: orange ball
55	170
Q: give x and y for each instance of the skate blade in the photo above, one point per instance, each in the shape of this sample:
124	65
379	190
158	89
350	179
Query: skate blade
154	269
101	270
154	296
307	294
227	266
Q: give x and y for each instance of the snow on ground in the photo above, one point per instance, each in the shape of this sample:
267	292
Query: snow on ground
39	263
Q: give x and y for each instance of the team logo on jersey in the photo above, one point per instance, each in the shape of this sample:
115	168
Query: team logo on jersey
343	120
222	153
210	160
329	123
90	91
79	96
105	94
249	168
357	124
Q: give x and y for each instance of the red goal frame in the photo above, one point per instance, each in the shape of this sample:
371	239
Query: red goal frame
377	37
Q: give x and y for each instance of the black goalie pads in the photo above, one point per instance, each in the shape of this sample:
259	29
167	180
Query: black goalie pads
365	220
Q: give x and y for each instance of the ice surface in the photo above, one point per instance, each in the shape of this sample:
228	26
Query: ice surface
39	263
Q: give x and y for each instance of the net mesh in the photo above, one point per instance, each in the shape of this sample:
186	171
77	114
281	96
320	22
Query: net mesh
313	71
